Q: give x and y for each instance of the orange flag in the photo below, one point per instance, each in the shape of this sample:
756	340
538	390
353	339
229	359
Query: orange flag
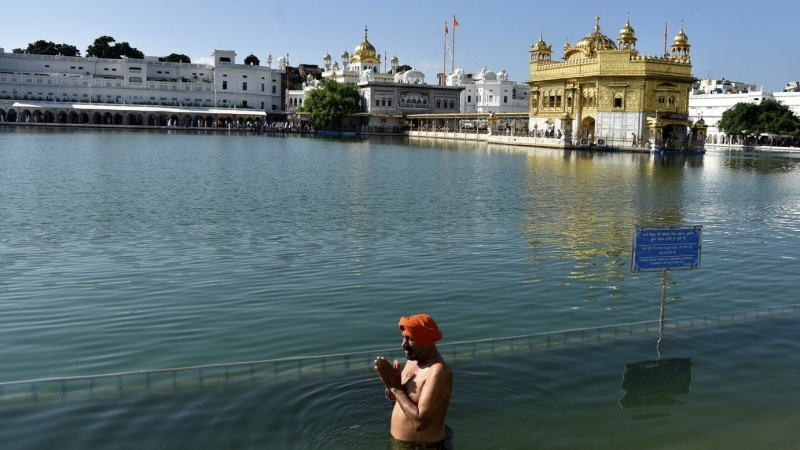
445	28
455	22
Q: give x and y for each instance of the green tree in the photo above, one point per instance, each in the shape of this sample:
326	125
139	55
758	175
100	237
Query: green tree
768	116
403	68
102	48
42	47
176	58
329	103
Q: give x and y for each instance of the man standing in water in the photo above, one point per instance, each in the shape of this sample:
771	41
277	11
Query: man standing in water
421	392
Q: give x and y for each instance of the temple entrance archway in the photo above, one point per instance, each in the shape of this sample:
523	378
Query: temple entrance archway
586	129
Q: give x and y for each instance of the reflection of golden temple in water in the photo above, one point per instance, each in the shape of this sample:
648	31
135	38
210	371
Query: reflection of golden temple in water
610	94
583	207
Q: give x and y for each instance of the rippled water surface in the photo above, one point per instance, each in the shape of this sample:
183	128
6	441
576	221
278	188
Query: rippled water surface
124	251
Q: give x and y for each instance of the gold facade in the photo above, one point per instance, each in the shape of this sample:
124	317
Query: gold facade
610	91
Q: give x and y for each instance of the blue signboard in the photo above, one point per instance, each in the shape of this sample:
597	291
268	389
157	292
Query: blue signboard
657	249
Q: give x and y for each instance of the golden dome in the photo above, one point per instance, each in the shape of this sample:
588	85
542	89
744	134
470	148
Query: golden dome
540	46
595	41
681	38
345	54
627	37
365	52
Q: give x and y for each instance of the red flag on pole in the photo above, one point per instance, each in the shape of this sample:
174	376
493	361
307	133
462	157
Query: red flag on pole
455	22
445	28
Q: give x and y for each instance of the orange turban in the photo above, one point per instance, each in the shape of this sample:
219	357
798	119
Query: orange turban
421	328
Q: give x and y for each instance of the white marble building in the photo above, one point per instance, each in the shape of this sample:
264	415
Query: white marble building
66	83
387	95
709	99
489	92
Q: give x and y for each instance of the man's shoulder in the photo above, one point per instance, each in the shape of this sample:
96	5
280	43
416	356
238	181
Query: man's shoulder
441	368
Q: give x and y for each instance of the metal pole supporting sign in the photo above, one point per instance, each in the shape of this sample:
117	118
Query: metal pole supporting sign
665	250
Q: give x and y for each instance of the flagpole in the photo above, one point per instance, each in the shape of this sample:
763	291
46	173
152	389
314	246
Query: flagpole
444	56
453	50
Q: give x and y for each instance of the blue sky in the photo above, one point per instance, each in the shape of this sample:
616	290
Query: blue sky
753	43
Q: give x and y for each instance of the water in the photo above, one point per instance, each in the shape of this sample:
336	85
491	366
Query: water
124	251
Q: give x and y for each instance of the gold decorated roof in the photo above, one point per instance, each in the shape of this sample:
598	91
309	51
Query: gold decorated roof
596	40
681	38
627	37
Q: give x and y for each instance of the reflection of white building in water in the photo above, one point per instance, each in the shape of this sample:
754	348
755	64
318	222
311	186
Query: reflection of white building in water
710	98
489	92
127	91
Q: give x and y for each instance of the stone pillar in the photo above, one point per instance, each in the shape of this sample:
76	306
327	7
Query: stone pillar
656	129
566	127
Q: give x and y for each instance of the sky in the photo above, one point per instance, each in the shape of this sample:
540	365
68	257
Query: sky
751	43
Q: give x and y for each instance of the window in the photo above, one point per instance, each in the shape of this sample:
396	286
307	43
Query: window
262	88
244	86
505	99
389	102
273	89
224	84
618	102
469	99
135	79
377	102
244	103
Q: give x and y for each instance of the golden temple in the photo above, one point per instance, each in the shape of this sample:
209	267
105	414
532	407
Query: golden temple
607	93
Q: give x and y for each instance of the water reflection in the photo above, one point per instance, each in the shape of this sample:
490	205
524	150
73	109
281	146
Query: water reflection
656	382
761	163
576	227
